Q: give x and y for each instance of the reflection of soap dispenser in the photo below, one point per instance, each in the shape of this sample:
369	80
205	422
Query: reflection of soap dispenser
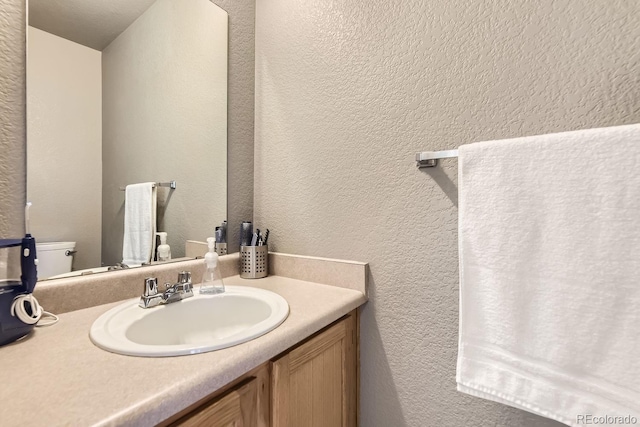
164	251
212	280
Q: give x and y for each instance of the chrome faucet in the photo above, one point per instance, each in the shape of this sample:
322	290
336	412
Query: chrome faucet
173	293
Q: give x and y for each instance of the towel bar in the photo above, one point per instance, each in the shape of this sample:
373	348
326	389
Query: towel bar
429	159
170	184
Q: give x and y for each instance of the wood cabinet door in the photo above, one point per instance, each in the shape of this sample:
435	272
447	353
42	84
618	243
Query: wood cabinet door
315	384
235	409
245	404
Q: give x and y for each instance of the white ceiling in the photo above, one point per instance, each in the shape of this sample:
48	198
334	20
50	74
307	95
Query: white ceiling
93	23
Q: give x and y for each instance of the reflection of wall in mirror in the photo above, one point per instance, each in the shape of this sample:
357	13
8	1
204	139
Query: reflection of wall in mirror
13	115
64	123
165	114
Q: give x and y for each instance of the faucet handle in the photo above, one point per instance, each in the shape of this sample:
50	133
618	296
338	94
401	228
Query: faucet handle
184	277
150	286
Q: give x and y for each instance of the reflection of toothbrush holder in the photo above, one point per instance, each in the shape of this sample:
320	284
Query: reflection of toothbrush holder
11	327
221	248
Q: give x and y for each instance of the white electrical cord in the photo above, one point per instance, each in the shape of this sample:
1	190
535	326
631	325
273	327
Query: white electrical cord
32	313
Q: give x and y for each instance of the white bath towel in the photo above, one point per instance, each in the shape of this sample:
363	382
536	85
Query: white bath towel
549	240
139	223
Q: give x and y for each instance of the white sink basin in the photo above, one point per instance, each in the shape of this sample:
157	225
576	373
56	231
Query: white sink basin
194	325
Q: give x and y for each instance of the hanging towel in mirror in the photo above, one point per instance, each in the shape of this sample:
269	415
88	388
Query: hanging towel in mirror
139	223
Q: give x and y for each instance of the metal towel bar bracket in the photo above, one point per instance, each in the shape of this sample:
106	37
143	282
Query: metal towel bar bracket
429	159
170	184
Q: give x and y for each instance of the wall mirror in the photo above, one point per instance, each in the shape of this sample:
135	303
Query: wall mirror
122	92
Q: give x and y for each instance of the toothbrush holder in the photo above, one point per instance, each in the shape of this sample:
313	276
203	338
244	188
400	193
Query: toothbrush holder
221	248
254	262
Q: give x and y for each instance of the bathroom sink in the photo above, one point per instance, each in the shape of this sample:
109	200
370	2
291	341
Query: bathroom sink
194	325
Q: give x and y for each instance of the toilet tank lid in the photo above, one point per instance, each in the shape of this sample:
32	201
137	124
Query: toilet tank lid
55	246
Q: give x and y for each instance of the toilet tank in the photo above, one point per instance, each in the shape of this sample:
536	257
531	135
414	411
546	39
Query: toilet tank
54	258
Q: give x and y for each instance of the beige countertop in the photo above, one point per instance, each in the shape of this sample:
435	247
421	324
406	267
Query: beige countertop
57	377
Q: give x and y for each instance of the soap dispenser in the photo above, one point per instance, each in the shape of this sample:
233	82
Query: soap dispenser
212	280
164	251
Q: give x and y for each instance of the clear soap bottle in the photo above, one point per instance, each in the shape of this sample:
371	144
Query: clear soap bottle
212	280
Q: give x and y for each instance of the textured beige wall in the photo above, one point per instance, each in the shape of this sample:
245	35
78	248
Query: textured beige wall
64	154
346	93
240	115
12	118
165	118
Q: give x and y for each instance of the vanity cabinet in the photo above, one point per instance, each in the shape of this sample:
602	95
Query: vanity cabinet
313	384
232	410
243	403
